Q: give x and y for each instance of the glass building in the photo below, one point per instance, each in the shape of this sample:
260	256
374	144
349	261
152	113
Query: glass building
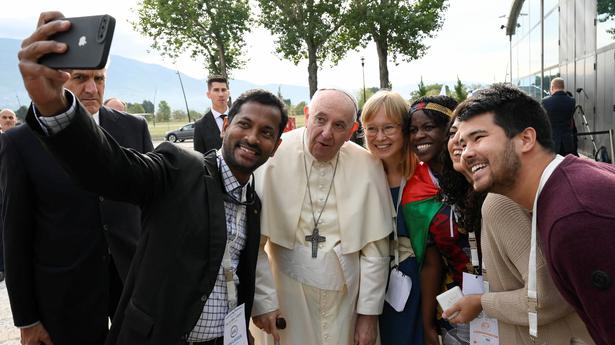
572	39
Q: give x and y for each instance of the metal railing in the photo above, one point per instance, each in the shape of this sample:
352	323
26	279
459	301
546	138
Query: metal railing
611	133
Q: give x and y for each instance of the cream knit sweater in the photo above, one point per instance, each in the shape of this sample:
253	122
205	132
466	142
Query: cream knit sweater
505	241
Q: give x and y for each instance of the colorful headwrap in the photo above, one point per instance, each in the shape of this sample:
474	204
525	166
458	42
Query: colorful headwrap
432	106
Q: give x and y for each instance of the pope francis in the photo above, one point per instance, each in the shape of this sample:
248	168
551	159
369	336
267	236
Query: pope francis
326	217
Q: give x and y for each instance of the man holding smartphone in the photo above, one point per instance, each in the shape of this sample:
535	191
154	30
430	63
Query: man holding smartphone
67	250
195	262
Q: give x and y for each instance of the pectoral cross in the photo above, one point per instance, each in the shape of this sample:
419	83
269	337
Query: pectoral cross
315	238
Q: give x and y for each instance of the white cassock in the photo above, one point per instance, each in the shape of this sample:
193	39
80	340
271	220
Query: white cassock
321	297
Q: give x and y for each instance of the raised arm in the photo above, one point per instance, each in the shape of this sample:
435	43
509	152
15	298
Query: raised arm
87	151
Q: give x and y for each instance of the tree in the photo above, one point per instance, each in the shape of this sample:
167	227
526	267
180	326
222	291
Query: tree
148	107
21	113
195	115
298	109
211	29
164	112
460	91
135	108
606	11
179	115
425	90
420	92
306	29
370	91
399	28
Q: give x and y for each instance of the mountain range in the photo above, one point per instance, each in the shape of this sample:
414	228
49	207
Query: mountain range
135	81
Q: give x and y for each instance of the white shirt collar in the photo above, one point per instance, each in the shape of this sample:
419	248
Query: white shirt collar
217	114
96	117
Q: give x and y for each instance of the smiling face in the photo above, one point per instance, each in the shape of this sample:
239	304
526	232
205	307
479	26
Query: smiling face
384	137
251	138
426	138
89	87
488	154
329	123
453	146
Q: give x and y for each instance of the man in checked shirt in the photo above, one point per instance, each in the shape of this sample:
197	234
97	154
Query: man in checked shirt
196	258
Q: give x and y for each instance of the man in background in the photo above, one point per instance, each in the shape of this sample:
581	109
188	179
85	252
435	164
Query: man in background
67	250
560	108
115	103
207	129
7	121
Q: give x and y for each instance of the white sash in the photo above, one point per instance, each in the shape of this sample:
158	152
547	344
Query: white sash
532	295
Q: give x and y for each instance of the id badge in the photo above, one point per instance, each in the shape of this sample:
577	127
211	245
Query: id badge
484	331
399	289
235	327
472	284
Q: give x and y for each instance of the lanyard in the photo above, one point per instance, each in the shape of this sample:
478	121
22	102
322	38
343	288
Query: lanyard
227	264
396	250
532	295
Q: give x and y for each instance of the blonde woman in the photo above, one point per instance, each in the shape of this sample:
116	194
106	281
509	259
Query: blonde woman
384	117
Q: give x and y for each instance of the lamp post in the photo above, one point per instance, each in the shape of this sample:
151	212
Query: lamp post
510	57
183	92
363	70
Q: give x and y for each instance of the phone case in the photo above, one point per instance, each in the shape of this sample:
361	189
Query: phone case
88	39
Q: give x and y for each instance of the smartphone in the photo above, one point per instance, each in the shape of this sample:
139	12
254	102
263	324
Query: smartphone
88	40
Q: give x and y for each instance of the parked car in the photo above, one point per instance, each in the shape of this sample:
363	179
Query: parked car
181	134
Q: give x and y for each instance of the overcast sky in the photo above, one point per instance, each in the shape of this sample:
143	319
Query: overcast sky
470	45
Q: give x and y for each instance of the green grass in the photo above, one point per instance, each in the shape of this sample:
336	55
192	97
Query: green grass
300	121
157	132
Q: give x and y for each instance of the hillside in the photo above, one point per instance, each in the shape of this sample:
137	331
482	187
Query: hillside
134	81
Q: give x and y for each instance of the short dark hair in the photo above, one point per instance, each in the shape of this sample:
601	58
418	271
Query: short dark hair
513	110
216	79
441	120
263	97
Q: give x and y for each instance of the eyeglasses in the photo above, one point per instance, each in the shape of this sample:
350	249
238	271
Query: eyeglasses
387	130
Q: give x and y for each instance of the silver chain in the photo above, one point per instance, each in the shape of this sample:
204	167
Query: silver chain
307	176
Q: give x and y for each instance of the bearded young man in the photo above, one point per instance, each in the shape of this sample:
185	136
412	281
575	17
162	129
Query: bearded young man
507	147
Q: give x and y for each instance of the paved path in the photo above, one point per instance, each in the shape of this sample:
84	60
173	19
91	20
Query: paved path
9	334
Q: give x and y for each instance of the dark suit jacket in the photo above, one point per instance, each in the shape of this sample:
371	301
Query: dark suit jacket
207	134
560	107
60	239
184	229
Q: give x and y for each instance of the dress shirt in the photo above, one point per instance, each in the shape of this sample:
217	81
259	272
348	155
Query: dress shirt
218	117
211	323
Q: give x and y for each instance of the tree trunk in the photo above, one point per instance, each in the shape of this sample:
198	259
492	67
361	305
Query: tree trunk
222	57
312	70
382	48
